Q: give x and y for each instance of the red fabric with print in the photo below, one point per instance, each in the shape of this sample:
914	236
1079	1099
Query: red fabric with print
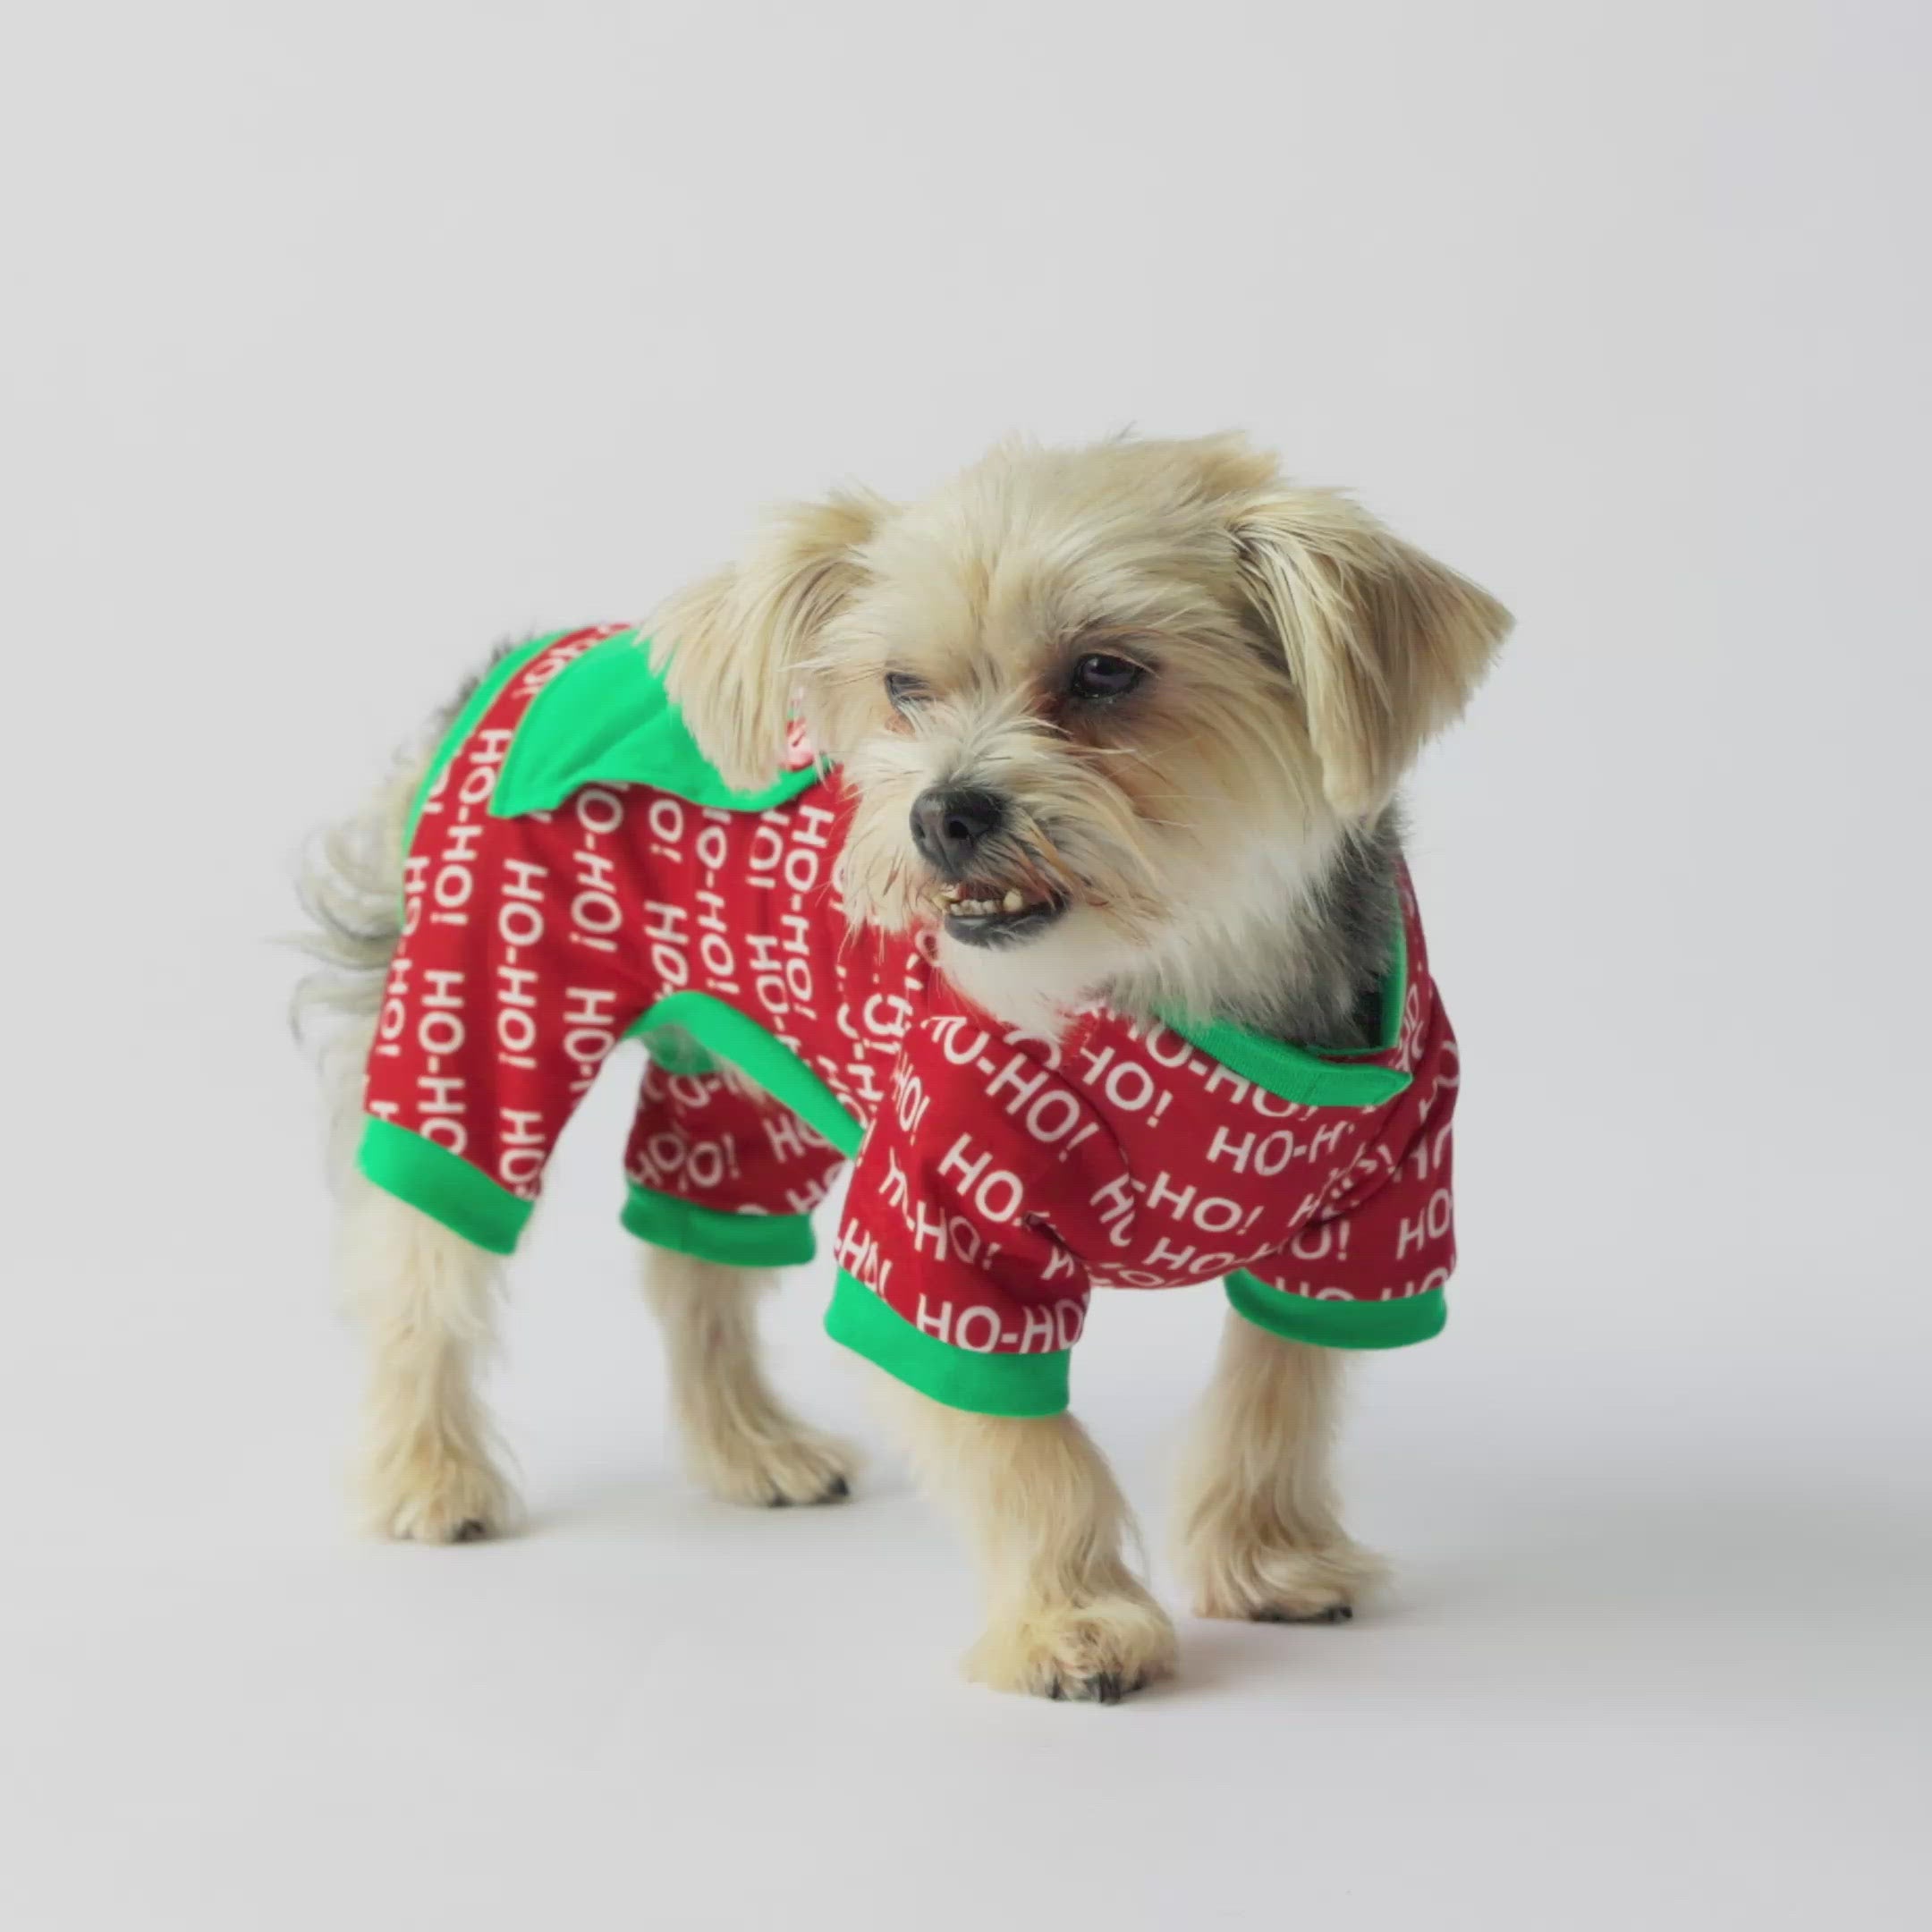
1000	1176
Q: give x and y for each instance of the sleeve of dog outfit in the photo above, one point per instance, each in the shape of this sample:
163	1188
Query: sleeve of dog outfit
1370	1270
721	1173
985	1187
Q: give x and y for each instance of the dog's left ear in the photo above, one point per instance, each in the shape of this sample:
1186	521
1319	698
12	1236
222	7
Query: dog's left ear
1383	643
732	645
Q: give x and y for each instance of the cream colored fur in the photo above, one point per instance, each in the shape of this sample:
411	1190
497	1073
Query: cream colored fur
427	1469
1299	654
1304	654
740	1440
1260	1532
1065	1616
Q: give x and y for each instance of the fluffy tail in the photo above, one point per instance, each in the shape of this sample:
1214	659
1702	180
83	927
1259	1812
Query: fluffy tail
351	888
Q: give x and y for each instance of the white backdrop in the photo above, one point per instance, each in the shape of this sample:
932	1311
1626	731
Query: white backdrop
339	340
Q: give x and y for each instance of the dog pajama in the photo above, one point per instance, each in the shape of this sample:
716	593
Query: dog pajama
576	874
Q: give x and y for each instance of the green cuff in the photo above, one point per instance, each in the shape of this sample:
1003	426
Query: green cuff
466	721
442	1185
1344	1325
961	1378
737	1239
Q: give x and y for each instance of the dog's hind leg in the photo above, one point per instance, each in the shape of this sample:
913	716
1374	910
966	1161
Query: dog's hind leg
1260	1534
739	1439
424	1299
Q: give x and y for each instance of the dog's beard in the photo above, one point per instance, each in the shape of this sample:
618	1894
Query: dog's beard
1073	852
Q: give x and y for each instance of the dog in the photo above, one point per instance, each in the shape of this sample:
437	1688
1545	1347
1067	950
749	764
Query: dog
1035	845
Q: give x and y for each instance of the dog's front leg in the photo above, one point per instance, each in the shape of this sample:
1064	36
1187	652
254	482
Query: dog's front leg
1259	1534
424	1299
1066	1617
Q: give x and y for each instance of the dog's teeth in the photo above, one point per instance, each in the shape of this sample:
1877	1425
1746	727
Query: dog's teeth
1015	901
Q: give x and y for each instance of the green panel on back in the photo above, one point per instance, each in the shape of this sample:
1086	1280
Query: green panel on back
469	717
606	718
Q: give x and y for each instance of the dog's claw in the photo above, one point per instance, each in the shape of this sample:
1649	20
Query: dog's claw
775	1464
1340	1613
1104	1687
470	1530
835	1491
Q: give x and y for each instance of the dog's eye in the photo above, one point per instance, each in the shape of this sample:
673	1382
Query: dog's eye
1097	675
901	689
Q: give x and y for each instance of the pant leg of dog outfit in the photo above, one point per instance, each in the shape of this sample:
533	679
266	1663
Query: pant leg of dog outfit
721	1172
507	992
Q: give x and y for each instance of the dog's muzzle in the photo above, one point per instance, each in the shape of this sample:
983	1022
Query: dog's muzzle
953	826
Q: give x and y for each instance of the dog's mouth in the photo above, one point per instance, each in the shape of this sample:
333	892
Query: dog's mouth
990	915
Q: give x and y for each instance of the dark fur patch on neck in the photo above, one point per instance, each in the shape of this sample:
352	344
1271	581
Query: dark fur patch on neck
1334	951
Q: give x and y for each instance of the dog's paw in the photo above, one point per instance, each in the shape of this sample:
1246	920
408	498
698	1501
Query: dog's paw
776	1471
1279	1584
1094	1652
432	1496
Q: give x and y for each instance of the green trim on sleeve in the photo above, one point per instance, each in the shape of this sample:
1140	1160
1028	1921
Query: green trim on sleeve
961	1378
606	718
442	1185
737	1239
479	701
1339	1324
726	1034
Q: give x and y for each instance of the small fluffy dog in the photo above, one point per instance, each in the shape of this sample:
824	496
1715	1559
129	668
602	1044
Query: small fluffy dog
1033	846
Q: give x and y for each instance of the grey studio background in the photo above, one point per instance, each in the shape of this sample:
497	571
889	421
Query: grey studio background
342	341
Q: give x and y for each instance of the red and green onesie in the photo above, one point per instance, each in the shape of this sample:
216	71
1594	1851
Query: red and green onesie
577	874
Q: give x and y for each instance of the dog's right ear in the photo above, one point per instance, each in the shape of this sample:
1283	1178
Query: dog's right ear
730	646
1384	644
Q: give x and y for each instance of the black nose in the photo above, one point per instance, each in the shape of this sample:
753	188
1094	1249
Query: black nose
949	826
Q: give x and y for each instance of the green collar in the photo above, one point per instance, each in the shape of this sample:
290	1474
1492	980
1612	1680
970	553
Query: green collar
1311	1077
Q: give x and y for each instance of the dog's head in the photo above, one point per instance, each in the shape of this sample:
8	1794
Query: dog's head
1091	699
